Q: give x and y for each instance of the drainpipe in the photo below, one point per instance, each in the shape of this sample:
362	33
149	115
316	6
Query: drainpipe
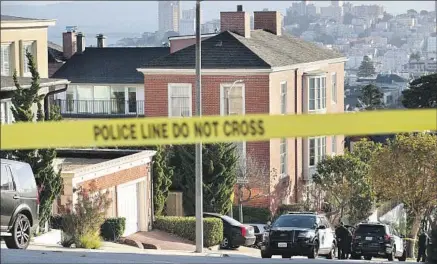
296	173
152	163
46	101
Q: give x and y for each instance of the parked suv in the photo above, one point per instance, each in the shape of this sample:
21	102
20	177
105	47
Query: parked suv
377	240
299	234
19	203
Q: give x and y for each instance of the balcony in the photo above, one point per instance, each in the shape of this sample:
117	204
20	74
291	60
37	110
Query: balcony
100	108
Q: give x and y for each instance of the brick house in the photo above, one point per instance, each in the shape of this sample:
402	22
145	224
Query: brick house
263	71
126	174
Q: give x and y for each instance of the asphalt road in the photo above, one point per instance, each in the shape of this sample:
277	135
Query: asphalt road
49	257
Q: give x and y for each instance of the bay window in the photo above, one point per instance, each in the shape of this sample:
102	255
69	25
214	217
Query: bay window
179	99
317	150
316	93
6	59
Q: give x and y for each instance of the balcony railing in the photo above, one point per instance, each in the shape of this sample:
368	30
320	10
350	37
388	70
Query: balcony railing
100	108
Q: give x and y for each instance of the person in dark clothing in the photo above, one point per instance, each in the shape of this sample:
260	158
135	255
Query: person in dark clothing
423	242
342	234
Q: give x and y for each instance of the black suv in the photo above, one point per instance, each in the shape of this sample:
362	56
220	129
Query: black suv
299	234
19	203
377	240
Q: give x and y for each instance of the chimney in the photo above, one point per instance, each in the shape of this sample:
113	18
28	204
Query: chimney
101	43
270	21
69	42
237	22
80	42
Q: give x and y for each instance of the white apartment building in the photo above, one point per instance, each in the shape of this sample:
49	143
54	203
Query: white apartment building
168	16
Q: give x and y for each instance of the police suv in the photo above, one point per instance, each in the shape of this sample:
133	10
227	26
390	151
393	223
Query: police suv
299	234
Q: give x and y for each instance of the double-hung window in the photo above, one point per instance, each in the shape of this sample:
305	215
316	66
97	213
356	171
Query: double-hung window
180	100
334	145
283	169
334	88
27	47
6	59
317	93
283	98
317	150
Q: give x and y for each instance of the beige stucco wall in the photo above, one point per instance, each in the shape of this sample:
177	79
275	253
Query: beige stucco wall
16	36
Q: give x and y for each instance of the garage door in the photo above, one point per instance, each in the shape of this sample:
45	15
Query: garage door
127	207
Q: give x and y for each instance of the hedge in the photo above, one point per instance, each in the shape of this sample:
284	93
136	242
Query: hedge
253	215
111	230
185	227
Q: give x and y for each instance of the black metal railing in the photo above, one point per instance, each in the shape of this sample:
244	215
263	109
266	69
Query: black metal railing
114	107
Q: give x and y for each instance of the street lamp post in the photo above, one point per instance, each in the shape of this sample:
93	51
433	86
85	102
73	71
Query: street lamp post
199	176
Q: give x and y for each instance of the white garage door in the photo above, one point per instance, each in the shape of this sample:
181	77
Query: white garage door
127	207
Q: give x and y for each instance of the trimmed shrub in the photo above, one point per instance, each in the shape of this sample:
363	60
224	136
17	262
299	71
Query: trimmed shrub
113	228
185	227
89	240
254	215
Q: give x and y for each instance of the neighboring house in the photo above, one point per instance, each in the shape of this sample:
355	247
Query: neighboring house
19	34
104	80
56	57
126	174
255	72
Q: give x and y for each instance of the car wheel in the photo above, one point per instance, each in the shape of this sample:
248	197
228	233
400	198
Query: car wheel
391	257
314	251
367	257
333	252
20	238
235	247
225	243
404	256
265	255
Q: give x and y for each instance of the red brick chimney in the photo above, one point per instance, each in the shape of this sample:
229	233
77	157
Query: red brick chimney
270	21
237	22
69	42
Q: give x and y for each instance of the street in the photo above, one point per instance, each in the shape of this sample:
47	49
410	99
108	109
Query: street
59	256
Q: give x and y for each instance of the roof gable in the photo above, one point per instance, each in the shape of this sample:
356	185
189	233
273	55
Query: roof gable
109	65
222	51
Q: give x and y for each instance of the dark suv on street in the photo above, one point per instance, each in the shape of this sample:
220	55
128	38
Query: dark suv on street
19	203
299	234
377	240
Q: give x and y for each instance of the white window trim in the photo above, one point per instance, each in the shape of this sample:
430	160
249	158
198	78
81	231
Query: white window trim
283	174
334	146
317	156
223	111
334	97
8	115
286	95
31	43
8	45
320	110
170	85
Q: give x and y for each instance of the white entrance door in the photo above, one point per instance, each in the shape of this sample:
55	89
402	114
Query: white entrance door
128	207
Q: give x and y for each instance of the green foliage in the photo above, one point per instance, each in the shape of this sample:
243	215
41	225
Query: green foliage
422	92
219	176
82	225
113	228
89	241
254	215
344	178
372	97
366	68
48	180
184	227
162	179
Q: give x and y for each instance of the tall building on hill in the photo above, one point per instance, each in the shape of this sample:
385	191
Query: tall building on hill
168	16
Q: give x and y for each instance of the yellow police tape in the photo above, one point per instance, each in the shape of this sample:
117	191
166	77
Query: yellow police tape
209	129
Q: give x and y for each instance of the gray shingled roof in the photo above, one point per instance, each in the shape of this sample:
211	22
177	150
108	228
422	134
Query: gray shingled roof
109	65
55	52
262	50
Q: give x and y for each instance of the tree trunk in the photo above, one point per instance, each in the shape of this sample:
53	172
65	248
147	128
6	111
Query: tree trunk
240	202
412	235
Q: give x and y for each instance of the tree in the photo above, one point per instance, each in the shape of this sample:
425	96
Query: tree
219	176
162	179
406	170
372	97
48	180
343	177
422	92
423	13
366	68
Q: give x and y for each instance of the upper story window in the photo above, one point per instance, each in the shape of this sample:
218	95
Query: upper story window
27	47
283	167
180	99
2	112
317	93
283	98
6	59
232	99
334	87
317	150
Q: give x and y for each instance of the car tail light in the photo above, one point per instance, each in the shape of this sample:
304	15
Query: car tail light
386	237
243	231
